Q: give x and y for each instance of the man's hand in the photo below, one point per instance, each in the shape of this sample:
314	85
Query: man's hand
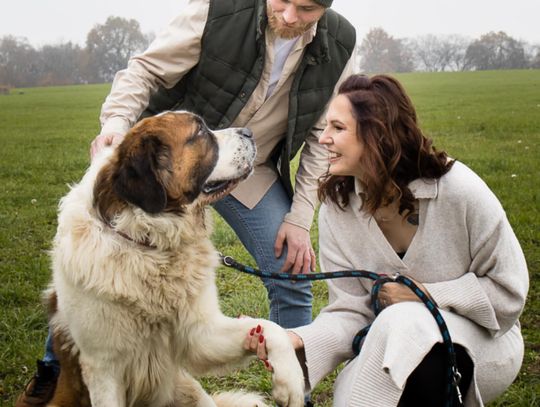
104	140
300	255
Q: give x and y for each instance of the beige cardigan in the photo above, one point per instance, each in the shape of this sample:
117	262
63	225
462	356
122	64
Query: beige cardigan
173	53
466	255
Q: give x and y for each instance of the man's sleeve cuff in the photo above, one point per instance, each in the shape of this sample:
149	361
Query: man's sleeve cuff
301	215
115	125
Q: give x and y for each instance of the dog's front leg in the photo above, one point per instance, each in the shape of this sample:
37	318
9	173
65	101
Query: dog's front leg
104	385
220	347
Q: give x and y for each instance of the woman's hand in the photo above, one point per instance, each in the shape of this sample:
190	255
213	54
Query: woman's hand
393	293
256	343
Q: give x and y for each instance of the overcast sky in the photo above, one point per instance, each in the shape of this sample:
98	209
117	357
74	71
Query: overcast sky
56	21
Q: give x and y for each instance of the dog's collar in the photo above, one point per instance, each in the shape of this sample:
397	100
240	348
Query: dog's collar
144	242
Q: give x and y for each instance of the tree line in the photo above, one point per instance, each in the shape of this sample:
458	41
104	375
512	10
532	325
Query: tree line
107	50
380	52
109	46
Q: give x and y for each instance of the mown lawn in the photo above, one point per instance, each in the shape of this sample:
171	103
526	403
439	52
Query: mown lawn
489	120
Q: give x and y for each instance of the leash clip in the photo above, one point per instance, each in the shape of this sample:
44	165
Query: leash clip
226	260
395	276
456	379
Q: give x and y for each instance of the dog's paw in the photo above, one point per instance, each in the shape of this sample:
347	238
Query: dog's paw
287	377
288	390
288	385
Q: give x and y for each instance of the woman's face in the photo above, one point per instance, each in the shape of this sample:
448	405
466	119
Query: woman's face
340	139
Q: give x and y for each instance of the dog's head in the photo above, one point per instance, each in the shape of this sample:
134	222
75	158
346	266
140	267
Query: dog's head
170	161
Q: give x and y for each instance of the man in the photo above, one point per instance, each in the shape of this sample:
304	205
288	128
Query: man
271	66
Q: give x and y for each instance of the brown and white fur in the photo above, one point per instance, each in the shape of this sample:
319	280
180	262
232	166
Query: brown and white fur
134	305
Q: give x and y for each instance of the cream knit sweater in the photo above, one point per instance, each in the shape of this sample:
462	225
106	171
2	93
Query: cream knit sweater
466	255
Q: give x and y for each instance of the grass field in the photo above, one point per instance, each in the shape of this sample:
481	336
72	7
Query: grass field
489	120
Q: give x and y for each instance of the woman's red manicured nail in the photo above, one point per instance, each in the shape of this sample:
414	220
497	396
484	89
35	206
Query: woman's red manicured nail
252	332
258	329
261	339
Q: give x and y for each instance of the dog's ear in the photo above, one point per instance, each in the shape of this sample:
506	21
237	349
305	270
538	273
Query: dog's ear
137	179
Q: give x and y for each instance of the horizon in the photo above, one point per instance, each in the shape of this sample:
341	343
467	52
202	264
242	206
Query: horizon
63	21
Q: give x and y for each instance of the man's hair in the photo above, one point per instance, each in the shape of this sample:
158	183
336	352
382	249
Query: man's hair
395	152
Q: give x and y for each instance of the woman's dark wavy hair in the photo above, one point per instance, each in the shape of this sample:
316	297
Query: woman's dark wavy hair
395	150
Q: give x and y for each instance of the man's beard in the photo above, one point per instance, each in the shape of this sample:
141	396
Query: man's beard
281	29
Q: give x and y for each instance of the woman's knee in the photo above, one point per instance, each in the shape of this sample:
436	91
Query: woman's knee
406	318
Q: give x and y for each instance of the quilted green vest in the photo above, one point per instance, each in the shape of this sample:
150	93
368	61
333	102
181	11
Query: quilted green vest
231	64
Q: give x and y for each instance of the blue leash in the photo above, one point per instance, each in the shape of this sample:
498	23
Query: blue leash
454	376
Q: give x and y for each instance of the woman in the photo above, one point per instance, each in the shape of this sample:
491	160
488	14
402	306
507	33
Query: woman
393	203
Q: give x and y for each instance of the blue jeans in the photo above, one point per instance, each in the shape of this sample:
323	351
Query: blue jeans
50	358
257	228
290	301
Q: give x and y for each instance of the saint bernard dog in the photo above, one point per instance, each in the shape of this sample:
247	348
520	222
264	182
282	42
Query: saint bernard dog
133	302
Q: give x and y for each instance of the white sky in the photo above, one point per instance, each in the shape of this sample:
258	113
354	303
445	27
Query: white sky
55	21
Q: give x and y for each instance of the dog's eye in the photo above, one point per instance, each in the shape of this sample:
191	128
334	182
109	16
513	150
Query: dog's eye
199	133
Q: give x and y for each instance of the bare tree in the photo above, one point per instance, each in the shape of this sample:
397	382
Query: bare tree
110	45
458	45
19	64
426	50
440	53
532	52
496	51
61	65
380	52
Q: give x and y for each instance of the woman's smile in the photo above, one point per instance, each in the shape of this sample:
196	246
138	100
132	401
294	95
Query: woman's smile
333	156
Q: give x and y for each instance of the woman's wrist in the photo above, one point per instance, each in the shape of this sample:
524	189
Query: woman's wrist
296	340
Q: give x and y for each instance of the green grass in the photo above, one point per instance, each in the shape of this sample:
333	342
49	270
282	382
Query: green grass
489	120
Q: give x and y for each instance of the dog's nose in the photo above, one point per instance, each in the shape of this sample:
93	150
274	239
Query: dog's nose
247	133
